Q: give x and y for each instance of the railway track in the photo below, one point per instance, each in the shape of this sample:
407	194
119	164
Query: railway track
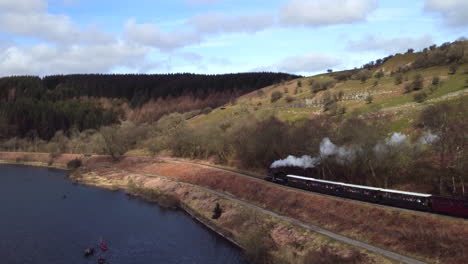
315	193
387	253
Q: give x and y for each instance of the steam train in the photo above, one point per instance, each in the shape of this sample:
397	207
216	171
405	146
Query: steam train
302	178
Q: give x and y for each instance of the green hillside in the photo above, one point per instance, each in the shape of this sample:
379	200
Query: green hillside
382	96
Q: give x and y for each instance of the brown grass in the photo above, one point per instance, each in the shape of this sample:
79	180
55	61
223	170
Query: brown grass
437	239
280	242
327	256
432	237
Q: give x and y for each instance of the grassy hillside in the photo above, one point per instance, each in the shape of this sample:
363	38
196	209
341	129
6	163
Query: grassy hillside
354	113
300	102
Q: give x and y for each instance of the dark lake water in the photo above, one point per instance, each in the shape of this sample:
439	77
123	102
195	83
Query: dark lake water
37	225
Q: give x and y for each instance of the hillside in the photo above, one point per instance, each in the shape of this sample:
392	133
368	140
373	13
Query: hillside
343	93
397	122
31	106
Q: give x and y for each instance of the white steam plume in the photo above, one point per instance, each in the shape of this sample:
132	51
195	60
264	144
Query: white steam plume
428	138
327	148
397	138
303	162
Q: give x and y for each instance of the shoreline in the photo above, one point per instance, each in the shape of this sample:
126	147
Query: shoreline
201	214
35	164
289	237
192	213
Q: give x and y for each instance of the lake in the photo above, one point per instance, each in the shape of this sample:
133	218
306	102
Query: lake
45	218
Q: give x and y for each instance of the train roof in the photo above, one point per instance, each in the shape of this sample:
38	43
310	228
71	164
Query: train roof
361	186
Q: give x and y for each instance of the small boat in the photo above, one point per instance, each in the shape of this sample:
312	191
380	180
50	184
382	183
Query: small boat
88	252
102	260
103	246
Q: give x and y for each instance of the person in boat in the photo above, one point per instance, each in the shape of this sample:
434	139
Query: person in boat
103	246
89	252
102	260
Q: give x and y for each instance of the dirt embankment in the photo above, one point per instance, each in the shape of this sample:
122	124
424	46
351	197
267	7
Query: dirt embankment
259	234
262	236
433	238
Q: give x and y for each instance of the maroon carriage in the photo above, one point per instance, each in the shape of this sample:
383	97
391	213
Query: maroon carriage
451	206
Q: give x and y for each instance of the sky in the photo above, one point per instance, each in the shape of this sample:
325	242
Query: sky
43	37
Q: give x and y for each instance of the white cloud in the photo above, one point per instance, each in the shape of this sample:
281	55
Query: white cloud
150	35
221	23
29	18
311	62
389	45
55	28
454	12
46	59
22	5
315	13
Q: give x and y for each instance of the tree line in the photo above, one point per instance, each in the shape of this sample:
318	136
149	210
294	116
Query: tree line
31	106
136	88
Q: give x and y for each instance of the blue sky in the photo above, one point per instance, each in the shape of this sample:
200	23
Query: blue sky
40	37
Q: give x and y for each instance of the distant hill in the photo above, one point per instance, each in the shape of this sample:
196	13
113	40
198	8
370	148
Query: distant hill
136	88
399	85
32	106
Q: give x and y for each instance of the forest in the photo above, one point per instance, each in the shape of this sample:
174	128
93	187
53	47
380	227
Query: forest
31	106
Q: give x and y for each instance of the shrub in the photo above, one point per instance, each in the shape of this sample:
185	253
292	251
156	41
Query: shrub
420	97
299	83
115	141
275	96
322	85
363	75
379	74
74	164
453	69
289	99
217	211
375	84
369	99
316	87
408	87
345	75
286	90
417	83
435	80
398	79
206	110
466	83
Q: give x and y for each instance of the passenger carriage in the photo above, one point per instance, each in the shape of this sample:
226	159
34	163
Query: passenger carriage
409	200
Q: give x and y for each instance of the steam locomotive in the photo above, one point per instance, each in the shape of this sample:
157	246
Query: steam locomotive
303	178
